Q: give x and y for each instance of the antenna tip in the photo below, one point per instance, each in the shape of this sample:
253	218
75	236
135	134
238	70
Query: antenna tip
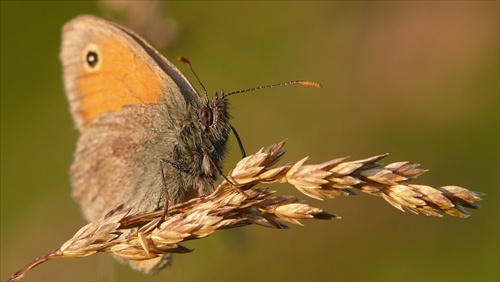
182	59
309	83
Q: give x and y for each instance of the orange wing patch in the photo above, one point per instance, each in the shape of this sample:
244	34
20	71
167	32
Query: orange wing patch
121	78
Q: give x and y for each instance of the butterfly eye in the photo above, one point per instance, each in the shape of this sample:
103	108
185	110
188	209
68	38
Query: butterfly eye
92	59
206	116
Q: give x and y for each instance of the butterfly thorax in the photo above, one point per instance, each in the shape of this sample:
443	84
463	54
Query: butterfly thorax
201	146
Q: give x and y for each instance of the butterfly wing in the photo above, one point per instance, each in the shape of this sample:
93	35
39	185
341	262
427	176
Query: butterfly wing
129	104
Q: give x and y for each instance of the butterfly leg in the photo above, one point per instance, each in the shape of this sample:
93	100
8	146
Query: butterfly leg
165	187
205	151
242	149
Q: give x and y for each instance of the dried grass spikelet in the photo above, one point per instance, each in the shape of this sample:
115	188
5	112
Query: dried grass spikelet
152	234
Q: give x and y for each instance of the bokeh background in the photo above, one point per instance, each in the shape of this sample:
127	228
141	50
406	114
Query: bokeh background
419	80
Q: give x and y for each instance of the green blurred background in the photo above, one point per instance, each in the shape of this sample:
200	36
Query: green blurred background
419	80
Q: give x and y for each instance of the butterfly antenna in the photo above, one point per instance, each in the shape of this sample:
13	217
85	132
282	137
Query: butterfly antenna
185	60
300	82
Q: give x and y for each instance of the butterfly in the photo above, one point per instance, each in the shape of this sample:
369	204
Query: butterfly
147	137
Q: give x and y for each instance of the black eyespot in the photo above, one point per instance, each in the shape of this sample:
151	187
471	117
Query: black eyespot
92	59
206	116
